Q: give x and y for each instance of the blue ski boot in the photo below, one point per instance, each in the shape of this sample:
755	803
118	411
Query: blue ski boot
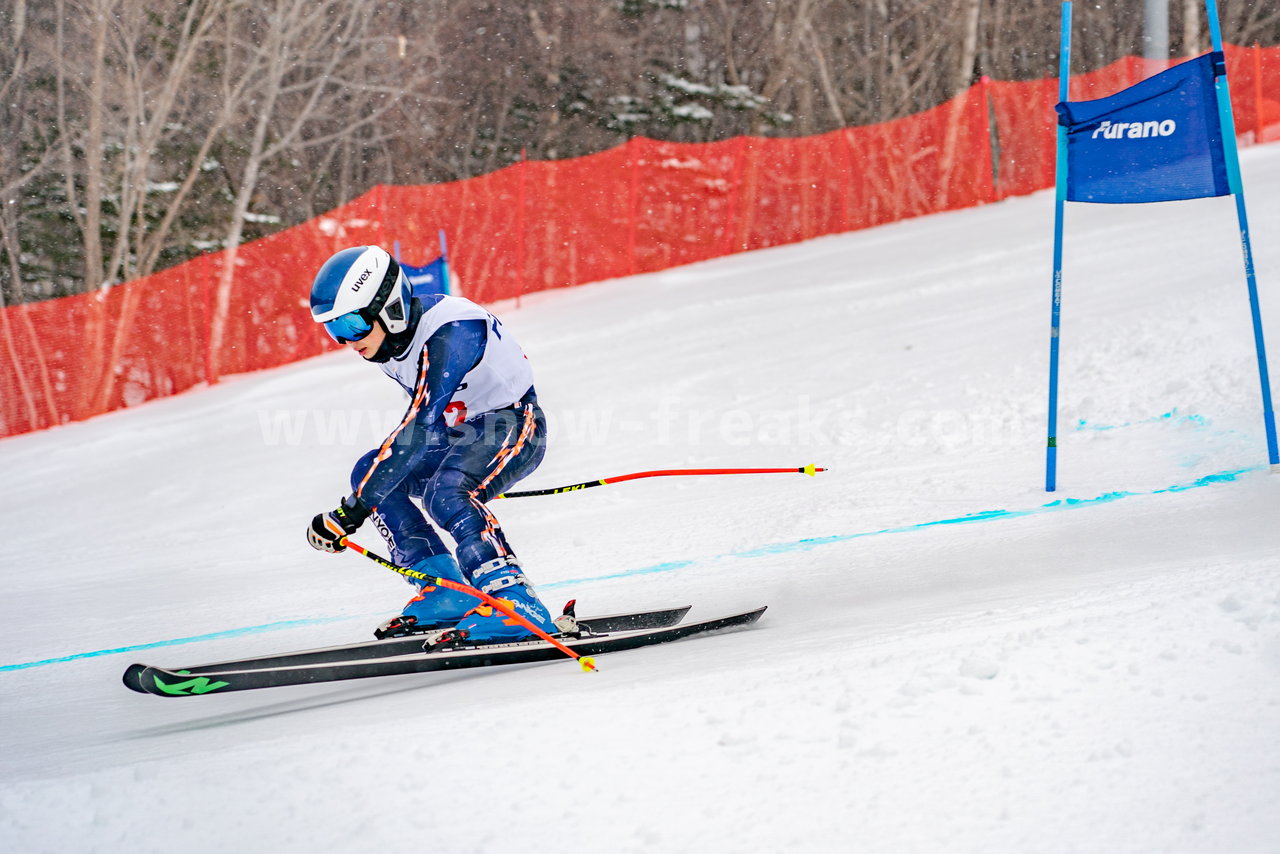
502	579
433	607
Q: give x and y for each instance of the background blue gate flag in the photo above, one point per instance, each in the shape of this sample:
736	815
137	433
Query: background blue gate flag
1157	141
431	279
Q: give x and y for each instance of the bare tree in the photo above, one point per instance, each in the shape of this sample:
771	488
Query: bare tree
1191	27
28	150
154	78
1249	22
85	197
298	59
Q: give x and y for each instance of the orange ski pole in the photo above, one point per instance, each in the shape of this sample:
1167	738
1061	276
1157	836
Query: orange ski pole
810	470
587	663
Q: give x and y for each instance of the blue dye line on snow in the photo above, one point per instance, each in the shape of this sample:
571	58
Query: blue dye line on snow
674	566
229	633
983	516
1172	415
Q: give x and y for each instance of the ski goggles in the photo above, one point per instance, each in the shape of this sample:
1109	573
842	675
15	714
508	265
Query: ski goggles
351	326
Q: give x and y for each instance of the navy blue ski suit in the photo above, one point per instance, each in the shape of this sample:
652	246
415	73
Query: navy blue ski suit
452	470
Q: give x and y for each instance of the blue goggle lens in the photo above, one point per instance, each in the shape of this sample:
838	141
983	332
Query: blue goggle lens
350	327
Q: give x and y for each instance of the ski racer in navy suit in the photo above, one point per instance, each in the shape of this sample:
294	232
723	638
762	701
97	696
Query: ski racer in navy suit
472	429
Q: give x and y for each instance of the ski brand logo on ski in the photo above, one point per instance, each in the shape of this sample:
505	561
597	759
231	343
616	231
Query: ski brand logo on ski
197	685
1135	130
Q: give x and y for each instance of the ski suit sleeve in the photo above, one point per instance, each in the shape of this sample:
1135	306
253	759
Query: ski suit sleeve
448	356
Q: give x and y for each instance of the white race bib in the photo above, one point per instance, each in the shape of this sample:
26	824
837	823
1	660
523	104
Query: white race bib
501	378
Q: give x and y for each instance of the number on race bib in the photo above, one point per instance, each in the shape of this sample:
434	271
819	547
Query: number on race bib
455	413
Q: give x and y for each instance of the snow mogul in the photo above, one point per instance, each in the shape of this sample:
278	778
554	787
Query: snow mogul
473	428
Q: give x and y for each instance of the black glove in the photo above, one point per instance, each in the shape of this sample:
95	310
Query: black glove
328	529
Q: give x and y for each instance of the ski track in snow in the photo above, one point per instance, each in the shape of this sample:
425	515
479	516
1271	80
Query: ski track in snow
952	660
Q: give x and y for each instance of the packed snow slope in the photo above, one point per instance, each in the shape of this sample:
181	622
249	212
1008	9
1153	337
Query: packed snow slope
952	659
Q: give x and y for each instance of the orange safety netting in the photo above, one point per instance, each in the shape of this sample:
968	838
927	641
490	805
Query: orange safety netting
636	208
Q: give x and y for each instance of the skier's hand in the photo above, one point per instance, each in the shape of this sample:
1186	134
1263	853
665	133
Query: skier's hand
327	530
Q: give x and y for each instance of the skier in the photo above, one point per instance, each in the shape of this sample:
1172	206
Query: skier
473	428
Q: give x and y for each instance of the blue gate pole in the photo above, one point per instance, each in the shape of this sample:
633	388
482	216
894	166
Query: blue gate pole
1232	157
1059	205
446	285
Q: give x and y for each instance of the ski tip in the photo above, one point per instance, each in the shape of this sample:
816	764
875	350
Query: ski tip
132	677
588	664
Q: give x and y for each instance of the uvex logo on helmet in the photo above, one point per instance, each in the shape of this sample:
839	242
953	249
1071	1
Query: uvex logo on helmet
364	277
1135	130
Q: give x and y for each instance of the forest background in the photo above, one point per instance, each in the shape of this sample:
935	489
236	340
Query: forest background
134	135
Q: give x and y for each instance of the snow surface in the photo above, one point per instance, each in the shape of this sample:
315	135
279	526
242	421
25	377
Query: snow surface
952	659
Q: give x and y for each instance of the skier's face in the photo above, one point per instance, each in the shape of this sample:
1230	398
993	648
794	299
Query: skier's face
370	344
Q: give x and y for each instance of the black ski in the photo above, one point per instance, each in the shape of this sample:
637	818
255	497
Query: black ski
182	683
411	644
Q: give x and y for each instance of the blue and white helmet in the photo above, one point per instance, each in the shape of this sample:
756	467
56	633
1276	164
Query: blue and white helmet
356	287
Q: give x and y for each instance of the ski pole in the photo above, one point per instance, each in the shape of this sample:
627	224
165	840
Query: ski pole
810	470
588	664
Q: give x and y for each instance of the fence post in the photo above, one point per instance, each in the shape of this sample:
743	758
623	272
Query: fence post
521	192
207	314
633	204
734	198
19	375
988	147
1257	94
